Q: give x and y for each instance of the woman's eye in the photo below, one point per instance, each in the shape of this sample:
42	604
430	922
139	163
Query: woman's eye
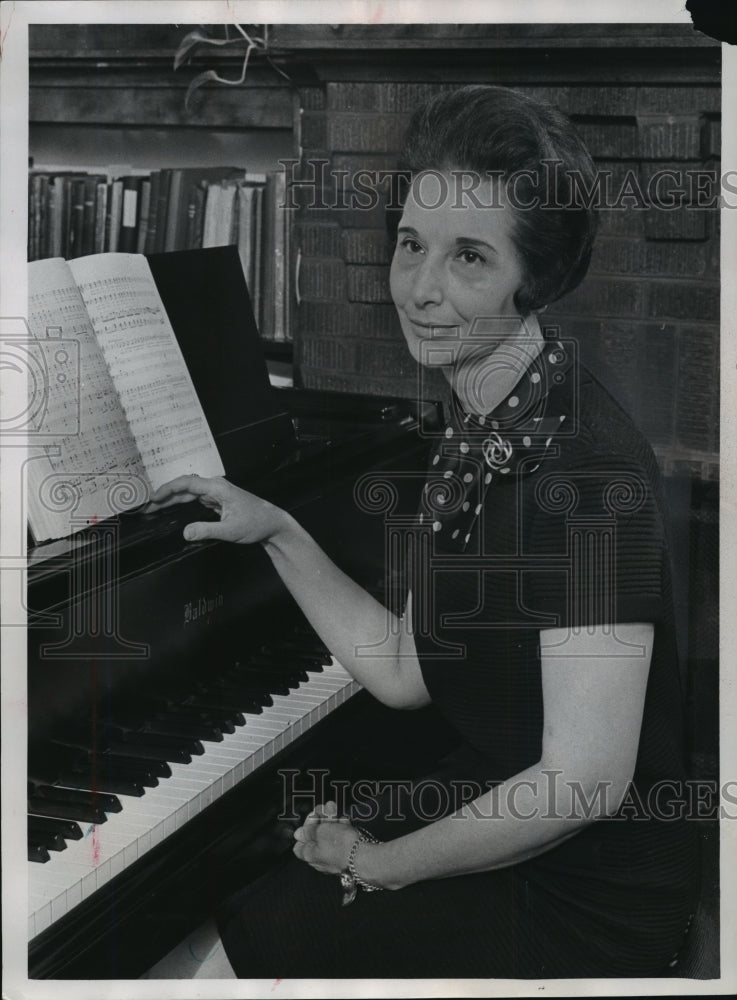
411	245
471	257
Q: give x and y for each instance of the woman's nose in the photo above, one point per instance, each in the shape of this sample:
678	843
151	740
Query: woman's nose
427	288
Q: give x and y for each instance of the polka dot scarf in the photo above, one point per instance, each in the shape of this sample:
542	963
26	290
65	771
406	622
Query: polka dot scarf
513	440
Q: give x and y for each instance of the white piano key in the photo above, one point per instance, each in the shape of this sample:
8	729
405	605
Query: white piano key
42	917
108	849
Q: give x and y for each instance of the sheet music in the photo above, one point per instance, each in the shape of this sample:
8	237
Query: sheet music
85	430
147	366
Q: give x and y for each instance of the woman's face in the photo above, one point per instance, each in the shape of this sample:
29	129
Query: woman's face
455	264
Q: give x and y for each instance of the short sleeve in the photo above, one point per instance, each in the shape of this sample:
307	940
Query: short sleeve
594	546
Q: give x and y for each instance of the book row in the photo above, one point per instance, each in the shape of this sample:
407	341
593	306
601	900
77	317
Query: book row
75	214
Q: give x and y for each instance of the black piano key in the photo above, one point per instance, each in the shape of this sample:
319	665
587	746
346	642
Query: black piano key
157	702
244	701
174	702
39	853
312	664
206	702
293	674
112	767
263	661
253	679
249	687
234	679
138	765
306	658
248	698
77	796
78	751
291	678
67	829
145	751
107	782
67	810
184	727
51	841
257	694
275	665
123	735
196	713
300	647
81	768
305	635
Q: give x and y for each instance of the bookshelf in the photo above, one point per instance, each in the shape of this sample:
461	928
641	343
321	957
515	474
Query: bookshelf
105	101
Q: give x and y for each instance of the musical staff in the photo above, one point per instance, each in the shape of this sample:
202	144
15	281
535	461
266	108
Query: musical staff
119	397
146	365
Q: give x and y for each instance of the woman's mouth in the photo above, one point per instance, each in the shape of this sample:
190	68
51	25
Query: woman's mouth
430	328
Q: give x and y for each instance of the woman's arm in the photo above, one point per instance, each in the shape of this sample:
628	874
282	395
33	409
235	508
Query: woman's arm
374	646
593	696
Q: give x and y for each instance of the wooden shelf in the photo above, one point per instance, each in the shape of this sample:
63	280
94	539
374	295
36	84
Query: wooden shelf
111	97
138	42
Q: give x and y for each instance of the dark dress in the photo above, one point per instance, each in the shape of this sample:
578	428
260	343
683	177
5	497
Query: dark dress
547	513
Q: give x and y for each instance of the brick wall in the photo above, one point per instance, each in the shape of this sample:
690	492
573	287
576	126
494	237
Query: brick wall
648	313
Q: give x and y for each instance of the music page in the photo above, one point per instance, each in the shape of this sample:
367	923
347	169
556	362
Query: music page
88	448
146	366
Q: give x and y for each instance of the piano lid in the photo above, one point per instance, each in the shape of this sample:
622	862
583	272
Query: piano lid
206	298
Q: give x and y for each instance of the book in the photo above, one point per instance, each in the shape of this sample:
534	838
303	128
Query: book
37	214
218	228
100	217
279	223
170	232
250	193
162	207
195	216
112	222
55	215
130	214
89	214
270	265
153	211
144	215
128	412
183	181
75	217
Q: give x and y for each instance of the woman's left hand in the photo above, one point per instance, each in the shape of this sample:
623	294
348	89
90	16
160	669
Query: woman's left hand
324	840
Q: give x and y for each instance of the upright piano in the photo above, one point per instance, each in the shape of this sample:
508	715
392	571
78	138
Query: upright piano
182	714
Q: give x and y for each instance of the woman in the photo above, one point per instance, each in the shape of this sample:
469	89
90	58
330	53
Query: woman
540	625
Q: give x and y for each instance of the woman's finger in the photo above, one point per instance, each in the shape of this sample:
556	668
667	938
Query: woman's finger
197	531
330	811
304	835
305	852
185	488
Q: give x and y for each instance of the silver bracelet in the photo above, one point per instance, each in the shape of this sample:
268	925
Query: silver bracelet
350	880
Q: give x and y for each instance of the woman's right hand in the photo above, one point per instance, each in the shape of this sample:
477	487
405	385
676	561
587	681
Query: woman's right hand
244	518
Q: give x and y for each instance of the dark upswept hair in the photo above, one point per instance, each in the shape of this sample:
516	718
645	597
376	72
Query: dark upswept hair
483	129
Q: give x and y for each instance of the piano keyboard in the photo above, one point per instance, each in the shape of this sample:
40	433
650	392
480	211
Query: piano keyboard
107	849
